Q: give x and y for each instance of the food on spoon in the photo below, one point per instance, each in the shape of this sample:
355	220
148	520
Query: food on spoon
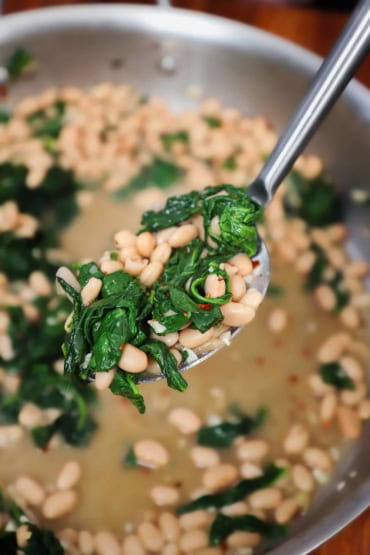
49	153
164	292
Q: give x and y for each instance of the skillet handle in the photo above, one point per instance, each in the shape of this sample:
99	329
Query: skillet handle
329	82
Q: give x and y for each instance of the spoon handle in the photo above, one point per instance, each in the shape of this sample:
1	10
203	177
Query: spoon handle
330	80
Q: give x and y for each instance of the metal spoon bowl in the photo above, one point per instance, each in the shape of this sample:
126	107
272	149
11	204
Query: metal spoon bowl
329	82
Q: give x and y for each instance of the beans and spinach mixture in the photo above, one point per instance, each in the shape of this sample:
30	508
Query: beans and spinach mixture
117	327
157	300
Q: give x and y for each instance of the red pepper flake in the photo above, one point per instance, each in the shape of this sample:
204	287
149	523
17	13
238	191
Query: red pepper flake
278	342
255	263
122	346
293	378
260	360
307	352
205	306
3	91
220	278
326	425
167	293
145	469
178	484
45	449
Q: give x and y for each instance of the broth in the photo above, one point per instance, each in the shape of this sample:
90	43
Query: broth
272	368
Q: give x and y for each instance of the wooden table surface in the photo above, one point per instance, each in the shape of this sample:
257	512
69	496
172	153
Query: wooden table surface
315	30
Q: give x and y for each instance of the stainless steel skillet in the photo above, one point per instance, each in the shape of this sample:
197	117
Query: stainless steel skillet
246	68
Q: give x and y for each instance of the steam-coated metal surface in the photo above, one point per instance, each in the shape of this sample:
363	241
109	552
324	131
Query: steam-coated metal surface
247	69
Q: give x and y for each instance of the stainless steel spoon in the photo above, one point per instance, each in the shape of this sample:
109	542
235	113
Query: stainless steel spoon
329	82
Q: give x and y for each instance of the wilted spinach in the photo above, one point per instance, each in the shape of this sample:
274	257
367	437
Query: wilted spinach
217	500
41	542
18	63
224	525
168	139
332	373
316	200
127	312
159	173
222	435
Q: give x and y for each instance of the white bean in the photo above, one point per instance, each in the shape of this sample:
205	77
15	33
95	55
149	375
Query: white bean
286	511
69	475
237	314
58	504
352	368
277	320
110	266
204	457
23	534
333	347
106	544
267	498
104	379
124	238
135	265
326	297
164	495
170	339
145	244
190	338
169	526
30	490
185	420
328	408
85	542
195	519
350	317
238	287
164	234
220	476
252	450
193	541
243	263
133	546
10	434
151	273
349	422
252	298
241	539
91	290
65	273
302	478
30	416
249	470
214	286
40	283
315	457
161	253
151	453
297	439
150	536
183	235
133	359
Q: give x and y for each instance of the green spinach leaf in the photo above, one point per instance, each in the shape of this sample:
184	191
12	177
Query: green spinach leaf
332	373
217	500
224	525
223	435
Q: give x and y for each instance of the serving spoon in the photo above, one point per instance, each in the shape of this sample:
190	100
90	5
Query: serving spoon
329	82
